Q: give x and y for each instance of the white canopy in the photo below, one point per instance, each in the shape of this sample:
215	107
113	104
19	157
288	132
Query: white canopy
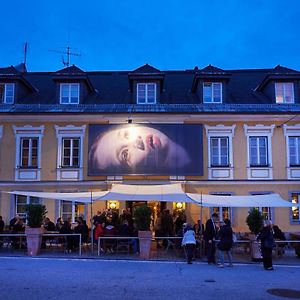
146	192
164	192
269	200
84	197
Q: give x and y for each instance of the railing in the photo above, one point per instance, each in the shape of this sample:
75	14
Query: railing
22	235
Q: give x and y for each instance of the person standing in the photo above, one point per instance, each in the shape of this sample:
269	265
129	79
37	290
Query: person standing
210	237
189	242
267	244
225	244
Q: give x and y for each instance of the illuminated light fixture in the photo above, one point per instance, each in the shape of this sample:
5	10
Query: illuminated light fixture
179	205
112	205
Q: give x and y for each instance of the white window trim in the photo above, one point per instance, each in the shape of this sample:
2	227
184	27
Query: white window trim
220	173
146	92
28	131
290	131
27	202
73	203
5	92
69	131
69	96
283	96
212	92
1	131
260	130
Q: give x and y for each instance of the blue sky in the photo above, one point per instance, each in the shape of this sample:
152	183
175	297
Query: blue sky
178	34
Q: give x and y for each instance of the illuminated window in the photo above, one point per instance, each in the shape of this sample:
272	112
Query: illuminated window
295	209
266	212
69	93
146	93
284	92
212	92
7	93
223	212
70	210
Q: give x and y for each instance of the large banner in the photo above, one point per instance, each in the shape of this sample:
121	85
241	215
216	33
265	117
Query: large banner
145	149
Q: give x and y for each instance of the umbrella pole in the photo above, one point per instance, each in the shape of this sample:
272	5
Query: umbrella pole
201	215
92	225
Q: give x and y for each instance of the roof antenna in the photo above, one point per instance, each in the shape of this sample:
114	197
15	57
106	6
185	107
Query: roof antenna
25	53
68	53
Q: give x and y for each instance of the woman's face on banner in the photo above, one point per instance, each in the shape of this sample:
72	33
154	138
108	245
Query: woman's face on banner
131	147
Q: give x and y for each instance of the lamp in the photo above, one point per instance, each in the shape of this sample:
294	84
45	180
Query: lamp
112	205
179	205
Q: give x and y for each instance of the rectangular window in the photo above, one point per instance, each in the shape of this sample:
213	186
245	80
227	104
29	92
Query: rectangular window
146	93
7	93
70	210
223	212
295	209
294	151
70	152
219	151
258	151
212	92
69	93
29	153
266	212
284	92
21	202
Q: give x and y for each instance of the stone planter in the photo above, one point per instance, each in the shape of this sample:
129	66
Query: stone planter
34	240
296	246
254	248
145	243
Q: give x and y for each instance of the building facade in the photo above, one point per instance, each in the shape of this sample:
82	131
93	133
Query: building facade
248	143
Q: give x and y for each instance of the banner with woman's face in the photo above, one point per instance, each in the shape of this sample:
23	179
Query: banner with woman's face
145	149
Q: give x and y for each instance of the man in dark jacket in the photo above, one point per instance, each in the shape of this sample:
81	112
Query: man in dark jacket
210	237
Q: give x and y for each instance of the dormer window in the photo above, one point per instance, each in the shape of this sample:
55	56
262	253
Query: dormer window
212	92
7	93
284	92
69	93
146	93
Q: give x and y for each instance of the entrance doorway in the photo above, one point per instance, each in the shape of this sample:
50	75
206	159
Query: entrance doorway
155	206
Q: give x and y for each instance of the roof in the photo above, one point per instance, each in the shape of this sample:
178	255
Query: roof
112	92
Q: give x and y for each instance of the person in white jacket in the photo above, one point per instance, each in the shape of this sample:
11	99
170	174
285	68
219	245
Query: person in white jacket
189	242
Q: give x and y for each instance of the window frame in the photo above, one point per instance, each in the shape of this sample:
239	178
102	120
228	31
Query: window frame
220	209
146	84
29	199
74	210
219	165
69	85
270	210
30	150
297	151
258	152
71	157
212	84
284	92
5	92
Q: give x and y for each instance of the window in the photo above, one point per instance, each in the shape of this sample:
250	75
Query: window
29	153
212	92
70	210
146	93
284	92
294	150
70	152
258	149
69	93
7	93
295	209
266	212
223	212
219	151
22	201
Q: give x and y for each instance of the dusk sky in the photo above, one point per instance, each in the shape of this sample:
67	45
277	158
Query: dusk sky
178	34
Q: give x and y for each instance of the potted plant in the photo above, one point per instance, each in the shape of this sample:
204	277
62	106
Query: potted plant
35	216
142	218
255	222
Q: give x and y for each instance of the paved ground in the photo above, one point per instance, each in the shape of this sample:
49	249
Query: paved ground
49	278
